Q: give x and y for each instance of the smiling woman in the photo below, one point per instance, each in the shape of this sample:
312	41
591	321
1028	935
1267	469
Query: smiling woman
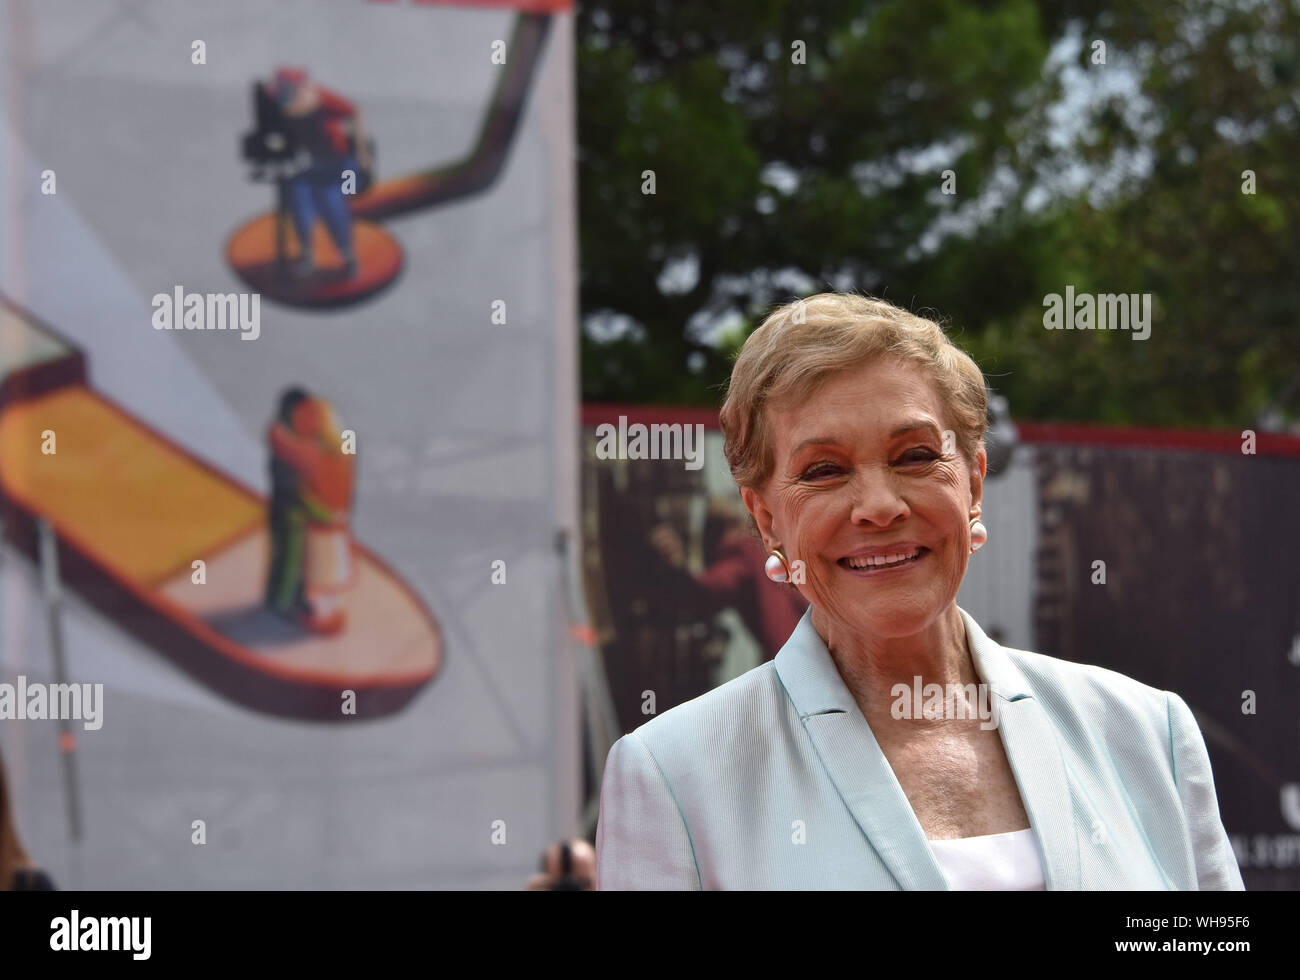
855	431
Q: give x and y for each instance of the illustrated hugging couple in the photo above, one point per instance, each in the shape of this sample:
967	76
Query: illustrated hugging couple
312	566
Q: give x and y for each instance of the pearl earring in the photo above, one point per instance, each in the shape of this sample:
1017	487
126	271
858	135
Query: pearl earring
777	568
978	535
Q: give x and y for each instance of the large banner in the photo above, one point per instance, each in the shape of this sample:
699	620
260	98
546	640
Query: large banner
287	469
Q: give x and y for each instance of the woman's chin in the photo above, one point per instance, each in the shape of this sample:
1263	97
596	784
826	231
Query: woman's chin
891	614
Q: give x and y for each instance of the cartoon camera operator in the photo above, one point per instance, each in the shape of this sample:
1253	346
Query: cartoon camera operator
327	129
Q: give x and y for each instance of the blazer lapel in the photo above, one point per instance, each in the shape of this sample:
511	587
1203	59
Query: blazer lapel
1034	751
853	760
862	775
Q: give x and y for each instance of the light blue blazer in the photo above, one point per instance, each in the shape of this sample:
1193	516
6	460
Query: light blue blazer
714	793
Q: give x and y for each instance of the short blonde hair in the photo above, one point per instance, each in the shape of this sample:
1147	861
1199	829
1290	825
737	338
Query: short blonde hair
803	343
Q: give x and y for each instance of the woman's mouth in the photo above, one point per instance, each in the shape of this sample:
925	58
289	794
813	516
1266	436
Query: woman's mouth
883	564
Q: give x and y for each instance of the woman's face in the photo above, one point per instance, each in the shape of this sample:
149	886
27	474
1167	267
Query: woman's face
860	468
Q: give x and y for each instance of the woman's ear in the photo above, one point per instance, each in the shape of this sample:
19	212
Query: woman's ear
761	514
977	474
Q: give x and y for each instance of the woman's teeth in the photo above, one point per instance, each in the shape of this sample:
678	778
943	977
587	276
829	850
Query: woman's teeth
881	561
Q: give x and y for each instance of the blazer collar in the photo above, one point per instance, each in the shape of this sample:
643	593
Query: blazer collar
856	765
815	686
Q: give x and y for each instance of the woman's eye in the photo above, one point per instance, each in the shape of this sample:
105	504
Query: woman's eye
818	470
926	455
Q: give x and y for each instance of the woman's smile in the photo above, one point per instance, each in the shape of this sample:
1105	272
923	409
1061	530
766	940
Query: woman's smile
883	565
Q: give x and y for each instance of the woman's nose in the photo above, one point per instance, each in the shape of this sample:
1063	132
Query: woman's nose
876	499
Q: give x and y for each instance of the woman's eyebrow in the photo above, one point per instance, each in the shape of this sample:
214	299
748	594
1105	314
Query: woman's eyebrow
814	441
911	425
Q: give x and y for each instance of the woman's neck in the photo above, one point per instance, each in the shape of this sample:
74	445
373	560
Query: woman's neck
871	665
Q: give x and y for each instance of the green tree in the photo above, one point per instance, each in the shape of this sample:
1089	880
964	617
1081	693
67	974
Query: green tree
794	147
777	178
1216	95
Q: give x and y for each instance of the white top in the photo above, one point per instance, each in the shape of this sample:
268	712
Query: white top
996	862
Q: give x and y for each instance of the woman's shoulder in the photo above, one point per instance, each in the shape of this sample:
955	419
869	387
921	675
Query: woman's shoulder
730	713
1070	687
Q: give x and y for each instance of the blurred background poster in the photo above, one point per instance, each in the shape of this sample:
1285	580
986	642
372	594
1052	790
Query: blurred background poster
288	461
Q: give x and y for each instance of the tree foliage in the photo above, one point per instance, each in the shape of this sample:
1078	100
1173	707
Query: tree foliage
801	146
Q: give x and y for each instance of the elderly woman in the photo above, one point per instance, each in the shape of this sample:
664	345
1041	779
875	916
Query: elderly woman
855	431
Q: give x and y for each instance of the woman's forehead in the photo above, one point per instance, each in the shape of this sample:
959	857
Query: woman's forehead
879	401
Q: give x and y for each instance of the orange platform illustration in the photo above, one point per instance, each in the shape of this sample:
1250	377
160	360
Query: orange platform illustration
133	511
